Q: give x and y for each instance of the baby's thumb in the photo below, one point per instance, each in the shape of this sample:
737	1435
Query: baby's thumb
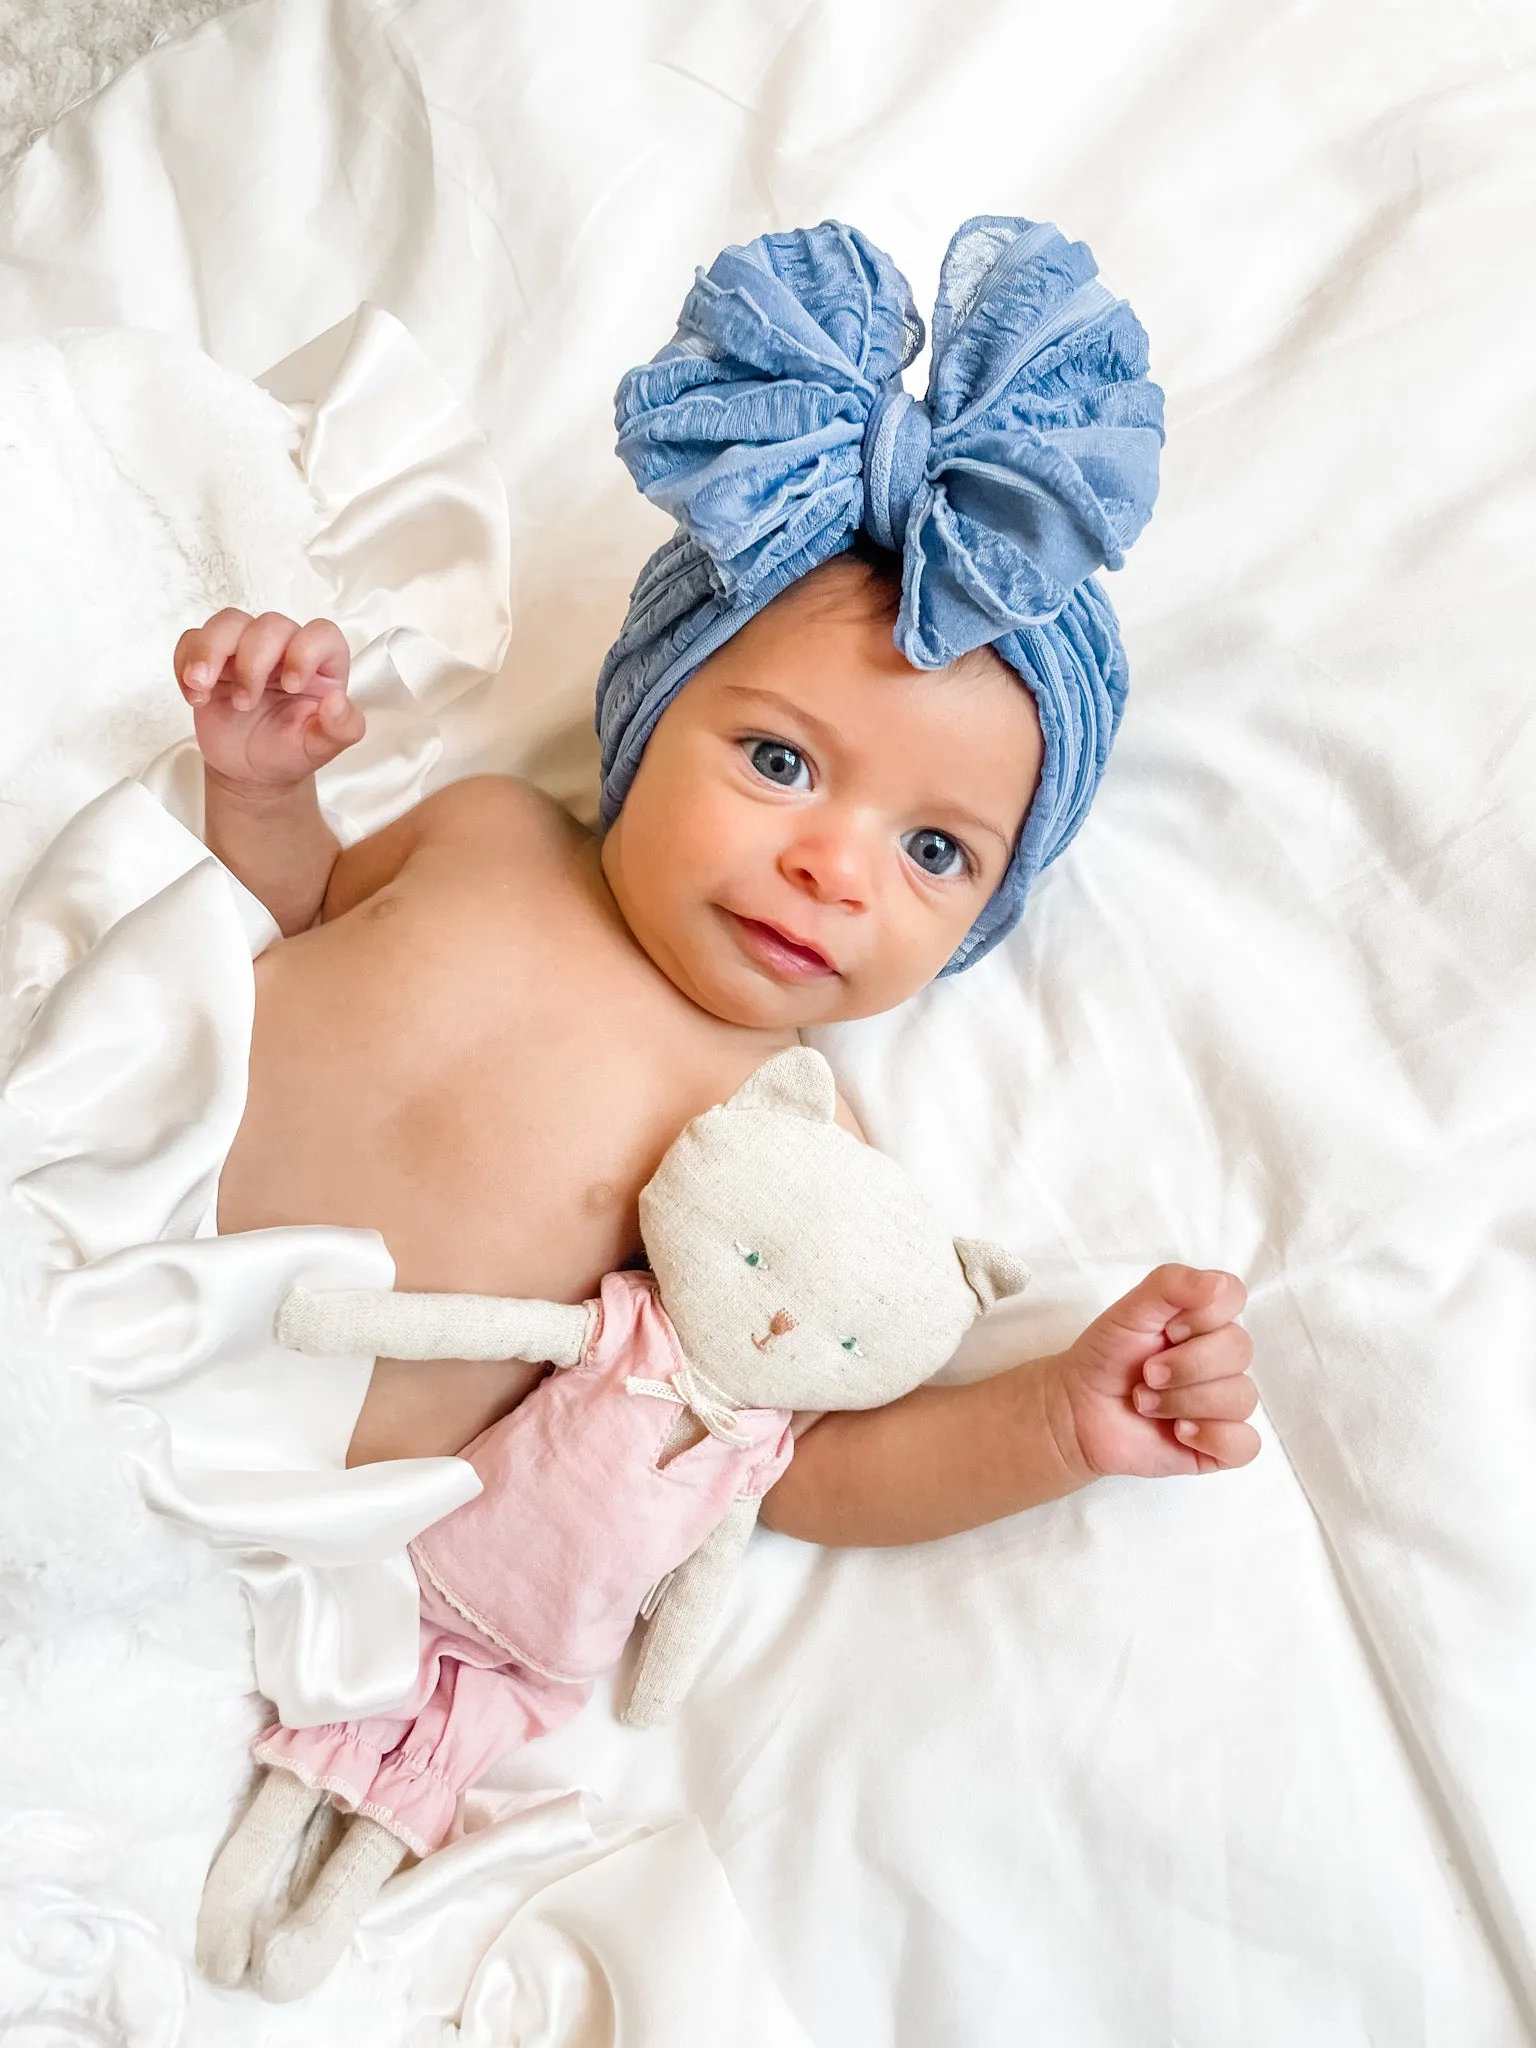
337	724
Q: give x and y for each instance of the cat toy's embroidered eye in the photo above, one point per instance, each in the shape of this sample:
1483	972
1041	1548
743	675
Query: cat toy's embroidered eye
851	1344
752	1258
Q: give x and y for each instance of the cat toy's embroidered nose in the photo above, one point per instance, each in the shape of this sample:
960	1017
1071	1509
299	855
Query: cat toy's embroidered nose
783	1322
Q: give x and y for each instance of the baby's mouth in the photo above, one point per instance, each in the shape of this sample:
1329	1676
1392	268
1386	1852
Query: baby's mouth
784	956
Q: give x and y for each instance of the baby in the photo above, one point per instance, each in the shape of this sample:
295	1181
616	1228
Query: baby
862	695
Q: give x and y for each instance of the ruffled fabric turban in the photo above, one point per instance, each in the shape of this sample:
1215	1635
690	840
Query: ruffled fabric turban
774	427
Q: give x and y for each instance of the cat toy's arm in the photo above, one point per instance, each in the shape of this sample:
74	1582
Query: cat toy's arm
375	1323
680	1631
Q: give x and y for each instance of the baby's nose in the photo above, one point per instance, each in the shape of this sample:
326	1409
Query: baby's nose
831	866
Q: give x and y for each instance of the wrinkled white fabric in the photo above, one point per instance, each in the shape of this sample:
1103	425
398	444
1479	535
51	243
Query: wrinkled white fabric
126	971
1240	1761
540	1928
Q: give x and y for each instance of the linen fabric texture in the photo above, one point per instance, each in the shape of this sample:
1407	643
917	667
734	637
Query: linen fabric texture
774	428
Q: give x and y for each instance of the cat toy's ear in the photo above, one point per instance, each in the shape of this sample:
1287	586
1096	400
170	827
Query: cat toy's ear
992	1270
798	1082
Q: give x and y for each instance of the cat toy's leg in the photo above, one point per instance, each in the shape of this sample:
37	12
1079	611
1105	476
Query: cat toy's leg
679	1633
303	1949
321	1838
475	1715
242	1873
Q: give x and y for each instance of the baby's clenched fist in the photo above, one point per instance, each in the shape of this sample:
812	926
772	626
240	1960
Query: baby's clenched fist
269	697
1159	1383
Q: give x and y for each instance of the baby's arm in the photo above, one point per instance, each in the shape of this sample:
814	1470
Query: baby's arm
1156	1386
270	706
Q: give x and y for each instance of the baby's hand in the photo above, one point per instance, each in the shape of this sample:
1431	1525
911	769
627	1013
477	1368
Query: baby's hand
1159	1384
269	697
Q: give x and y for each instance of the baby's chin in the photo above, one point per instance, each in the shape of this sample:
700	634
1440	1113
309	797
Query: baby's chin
738	993
713	975
700	958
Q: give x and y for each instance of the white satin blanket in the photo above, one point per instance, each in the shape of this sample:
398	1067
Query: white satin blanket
1241	1761
126	971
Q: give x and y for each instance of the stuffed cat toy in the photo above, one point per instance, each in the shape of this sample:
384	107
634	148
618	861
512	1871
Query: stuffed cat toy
792	1269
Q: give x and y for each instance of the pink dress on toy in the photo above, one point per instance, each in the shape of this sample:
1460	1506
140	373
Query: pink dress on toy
530	1591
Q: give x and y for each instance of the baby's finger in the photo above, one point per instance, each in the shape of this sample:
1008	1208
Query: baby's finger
1225	1444
258	654
1215	1356
201	654
1229	1400
1169	1294
1209	1307
316	653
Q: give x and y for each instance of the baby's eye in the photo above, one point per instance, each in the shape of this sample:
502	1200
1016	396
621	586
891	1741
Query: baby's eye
935	852
851	1345
778	762
751	1257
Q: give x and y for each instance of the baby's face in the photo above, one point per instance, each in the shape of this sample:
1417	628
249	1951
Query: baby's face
815	825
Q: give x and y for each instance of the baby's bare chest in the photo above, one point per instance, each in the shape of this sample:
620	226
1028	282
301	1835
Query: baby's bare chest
483	1067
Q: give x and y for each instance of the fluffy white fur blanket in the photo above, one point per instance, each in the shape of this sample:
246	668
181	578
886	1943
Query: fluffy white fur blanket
55	53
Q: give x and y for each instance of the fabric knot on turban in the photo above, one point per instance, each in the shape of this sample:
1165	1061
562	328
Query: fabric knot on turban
774	427
896	446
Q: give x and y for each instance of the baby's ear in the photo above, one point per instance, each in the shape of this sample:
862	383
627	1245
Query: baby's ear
992	1270
798	1081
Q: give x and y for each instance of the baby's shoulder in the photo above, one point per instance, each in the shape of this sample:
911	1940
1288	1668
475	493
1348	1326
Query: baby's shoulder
491	807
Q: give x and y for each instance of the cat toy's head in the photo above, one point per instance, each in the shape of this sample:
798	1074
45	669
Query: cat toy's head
800	1268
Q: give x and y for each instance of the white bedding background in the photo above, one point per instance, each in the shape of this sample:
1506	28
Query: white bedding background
1240	1761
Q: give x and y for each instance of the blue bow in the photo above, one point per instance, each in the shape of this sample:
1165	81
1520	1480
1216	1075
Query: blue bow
774	426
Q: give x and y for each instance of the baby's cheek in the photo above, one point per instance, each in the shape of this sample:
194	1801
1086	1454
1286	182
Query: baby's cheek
733	840
667	863
698	842
911	951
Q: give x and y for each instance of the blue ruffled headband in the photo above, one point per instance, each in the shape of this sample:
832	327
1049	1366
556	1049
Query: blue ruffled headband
774	426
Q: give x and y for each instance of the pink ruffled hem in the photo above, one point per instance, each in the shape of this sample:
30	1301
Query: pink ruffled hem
403	1794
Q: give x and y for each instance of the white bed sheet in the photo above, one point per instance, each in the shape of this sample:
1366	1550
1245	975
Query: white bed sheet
1246	1761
